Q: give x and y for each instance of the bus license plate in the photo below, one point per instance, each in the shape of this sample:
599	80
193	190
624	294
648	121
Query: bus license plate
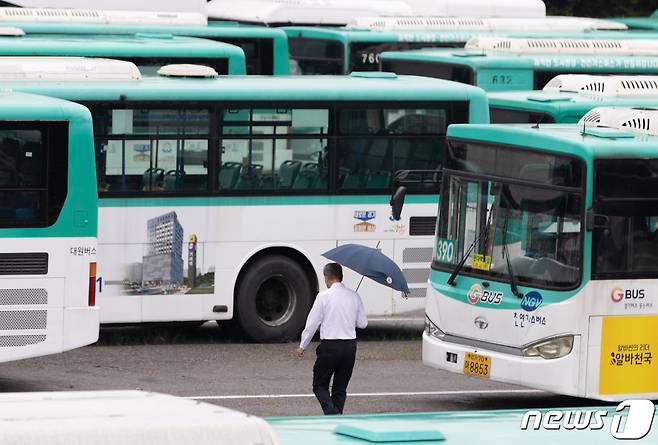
477	365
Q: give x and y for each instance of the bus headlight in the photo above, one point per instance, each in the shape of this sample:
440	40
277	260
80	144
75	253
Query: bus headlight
433	330
549	349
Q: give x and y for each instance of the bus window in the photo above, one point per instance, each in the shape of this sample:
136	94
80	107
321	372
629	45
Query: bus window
508	116
152	149
314	56
364	56
626	245
280	149
32	184
538	225
258	53
457	73
375	143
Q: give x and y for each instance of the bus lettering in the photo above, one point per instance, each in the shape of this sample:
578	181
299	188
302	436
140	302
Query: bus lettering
618	294
501	79
531	301
445	251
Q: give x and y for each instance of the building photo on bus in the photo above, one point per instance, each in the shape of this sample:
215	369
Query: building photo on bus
293	221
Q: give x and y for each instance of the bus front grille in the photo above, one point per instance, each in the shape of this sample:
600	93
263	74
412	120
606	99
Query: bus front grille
12	341
10	297
30	263
18	320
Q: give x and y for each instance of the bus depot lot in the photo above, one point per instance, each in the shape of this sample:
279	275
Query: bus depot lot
265	379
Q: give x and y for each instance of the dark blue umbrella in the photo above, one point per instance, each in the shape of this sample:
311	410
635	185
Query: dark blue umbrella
370	263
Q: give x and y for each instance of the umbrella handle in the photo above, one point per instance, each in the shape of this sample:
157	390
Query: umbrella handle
363	276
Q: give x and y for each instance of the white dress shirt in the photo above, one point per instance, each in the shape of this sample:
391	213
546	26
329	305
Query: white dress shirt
337	311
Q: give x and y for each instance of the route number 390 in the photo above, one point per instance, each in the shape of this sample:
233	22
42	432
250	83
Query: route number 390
445	250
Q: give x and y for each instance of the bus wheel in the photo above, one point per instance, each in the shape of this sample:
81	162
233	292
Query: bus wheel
273	300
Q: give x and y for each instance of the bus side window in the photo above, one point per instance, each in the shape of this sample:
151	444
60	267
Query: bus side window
277	149
138	148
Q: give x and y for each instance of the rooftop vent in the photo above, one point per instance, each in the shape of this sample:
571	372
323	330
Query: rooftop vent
610	47
636	120
90	16
489	24
66	69
610	86
298	12
187	70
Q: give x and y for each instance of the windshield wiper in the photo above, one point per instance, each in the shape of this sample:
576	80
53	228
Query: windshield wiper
510	270
460	265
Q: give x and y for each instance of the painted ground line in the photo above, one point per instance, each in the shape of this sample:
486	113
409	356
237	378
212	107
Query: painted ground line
371	394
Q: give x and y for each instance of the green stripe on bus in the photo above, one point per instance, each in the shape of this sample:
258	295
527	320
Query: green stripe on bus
199	201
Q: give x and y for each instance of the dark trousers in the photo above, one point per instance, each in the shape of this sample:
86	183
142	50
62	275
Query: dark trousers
334	358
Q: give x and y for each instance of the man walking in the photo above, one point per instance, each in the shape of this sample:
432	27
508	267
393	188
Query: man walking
337	311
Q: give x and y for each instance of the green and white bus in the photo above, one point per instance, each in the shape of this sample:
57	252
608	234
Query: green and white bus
148	51
48	223
504	71
219	195
545	258
265	49
358	46
568	97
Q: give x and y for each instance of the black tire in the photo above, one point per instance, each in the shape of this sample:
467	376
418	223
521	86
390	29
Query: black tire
273	299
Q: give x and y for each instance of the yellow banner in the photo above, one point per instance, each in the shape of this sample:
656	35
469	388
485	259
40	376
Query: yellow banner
629	355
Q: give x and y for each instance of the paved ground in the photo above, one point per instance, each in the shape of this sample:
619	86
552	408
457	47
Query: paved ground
264	380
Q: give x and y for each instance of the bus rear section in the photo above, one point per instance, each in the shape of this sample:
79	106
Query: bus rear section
531	282
149	52
568	97
48	220
494	70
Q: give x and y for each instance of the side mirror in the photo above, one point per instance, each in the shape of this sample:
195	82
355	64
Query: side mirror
397	202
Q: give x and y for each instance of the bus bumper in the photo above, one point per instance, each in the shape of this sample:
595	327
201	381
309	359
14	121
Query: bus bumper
81	326
558	375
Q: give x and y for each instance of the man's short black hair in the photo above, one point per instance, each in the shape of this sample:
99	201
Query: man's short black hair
333	271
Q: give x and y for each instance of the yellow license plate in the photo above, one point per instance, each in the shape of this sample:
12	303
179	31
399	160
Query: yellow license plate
477	365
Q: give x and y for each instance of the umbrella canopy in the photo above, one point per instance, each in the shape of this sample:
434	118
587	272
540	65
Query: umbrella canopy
371	263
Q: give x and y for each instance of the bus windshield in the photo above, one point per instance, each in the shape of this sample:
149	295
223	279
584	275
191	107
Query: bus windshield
625	236
504	202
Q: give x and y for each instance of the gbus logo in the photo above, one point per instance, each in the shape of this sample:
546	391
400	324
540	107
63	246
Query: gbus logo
618	294
476	293
633	425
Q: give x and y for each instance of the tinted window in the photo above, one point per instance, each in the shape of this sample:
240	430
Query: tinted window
152	149
315	56
376	143
33	173
625	236
510	162
507	116
457	73
365	56
274	149
259	54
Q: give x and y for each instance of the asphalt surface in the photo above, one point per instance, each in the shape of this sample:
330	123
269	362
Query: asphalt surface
265	380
